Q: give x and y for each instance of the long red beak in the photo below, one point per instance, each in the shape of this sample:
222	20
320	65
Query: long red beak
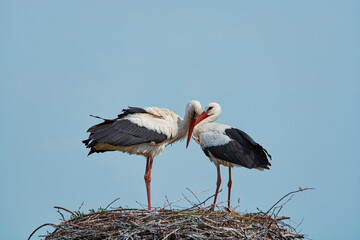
202	116
193	123
191	129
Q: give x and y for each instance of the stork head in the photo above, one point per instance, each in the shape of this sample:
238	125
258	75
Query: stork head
192	111
211	113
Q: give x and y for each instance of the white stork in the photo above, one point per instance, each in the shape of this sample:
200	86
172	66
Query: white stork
142	131
226	145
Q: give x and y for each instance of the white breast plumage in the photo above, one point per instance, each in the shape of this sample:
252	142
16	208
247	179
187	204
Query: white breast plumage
211	134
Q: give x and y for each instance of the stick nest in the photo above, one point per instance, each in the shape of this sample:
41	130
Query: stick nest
196	222
173	224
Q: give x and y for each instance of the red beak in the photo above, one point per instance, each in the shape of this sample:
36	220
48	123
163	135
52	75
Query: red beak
191	128
193	123
202	116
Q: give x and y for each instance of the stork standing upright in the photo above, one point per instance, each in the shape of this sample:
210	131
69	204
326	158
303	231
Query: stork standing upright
226	145
142	131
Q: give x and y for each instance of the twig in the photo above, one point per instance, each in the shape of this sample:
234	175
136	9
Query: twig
142	205
167	200
170	234
46	224
193	193
72	213
181	199
281	206
299	223
81	206
111	204
300	190
200	203
236	205
191	203
63	218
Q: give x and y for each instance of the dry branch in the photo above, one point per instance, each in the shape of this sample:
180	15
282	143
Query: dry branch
293	192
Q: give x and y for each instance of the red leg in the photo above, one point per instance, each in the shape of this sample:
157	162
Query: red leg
229	186
217	186
147	178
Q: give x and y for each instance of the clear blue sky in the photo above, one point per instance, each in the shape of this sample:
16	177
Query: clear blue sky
285	72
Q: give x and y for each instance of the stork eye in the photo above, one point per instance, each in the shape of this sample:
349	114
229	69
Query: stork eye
210	108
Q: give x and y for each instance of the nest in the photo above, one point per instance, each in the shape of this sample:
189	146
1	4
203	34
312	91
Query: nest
196	222
141	224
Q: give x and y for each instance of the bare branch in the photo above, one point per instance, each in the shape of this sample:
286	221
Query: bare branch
111	204
46	224
300	190
72	213
81	206
194	194
181	199
203	202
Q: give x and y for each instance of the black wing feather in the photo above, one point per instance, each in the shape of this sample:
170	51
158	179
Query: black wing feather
121	132
131	110
241	150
